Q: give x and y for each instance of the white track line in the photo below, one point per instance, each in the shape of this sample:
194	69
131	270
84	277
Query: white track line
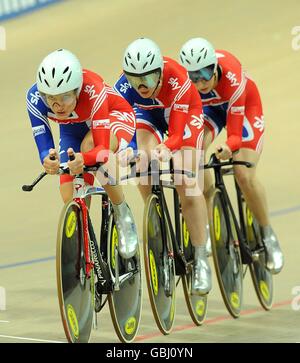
31	339
4	321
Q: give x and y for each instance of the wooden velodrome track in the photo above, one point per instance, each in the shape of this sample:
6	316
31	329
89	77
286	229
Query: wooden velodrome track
98	31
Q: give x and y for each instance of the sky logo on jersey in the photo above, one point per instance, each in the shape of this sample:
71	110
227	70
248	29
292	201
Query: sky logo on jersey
197	121
91	91
237	110
259	123
101	123
34	97
124	87
181	107
232	78
174	83
38	130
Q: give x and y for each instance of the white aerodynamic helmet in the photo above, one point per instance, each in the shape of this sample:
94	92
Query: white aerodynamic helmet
197	53
142	56
59	72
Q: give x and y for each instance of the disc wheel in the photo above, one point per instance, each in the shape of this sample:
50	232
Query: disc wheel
75	290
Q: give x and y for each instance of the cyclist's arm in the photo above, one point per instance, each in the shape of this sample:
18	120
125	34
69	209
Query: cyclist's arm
178	118
101	135
235	116
37	112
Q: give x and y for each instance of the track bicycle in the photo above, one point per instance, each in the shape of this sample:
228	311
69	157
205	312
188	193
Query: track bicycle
236	242
88	273
168	252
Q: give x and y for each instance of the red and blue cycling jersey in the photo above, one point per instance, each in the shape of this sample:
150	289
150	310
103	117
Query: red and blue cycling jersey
176	106
99	109
234	103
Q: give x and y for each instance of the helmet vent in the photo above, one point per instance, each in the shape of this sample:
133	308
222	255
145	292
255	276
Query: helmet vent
53	72
40	77
132	65
66	70
69	77
46	82
145	65
43	70
138	56
128	55
152	59
59	83
183	53
126	61
198	60
192	52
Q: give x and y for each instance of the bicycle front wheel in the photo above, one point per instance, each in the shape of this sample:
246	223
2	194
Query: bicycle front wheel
197	305
159	266
75	290
226	254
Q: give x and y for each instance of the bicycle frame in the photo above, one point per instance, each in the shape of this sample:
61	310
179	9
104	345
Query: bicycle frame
158	189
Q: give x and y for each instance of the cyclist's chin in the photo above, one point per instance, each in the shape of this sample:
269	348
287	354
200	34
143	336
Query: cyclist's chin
62	115
145	92
204	90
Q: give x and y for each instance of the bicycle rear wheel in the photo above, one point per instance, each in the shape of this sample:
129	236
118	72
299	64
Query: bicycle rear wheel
159	266
226	254
261	276
197	305
126	303
75	290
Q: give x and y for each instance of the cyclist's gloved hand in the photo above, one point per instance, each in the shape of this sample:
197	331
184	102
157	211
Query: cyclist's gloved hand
52	162
162	152
76	165
223	152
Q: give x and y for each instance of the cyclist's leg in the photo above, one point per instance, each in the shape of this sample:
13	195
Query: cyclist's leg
253	190
214	121
193	203
150	129
71	135
122	128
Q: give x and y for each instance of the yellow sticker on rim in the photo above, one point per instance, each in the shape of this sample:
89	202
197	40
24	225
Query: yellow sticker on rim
114	244
249	217
71	224
217	223
73	322
235	300
200	307
172	311
186	235
153	272
264	290
130	325
158	209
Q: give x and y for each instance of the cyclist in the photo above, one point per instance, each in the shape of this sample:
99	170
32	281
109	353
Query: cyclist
164	100
231	100
93	119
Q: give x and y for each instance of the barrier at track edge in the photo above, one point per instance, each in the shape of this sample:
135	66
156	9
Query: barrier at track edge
13	8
